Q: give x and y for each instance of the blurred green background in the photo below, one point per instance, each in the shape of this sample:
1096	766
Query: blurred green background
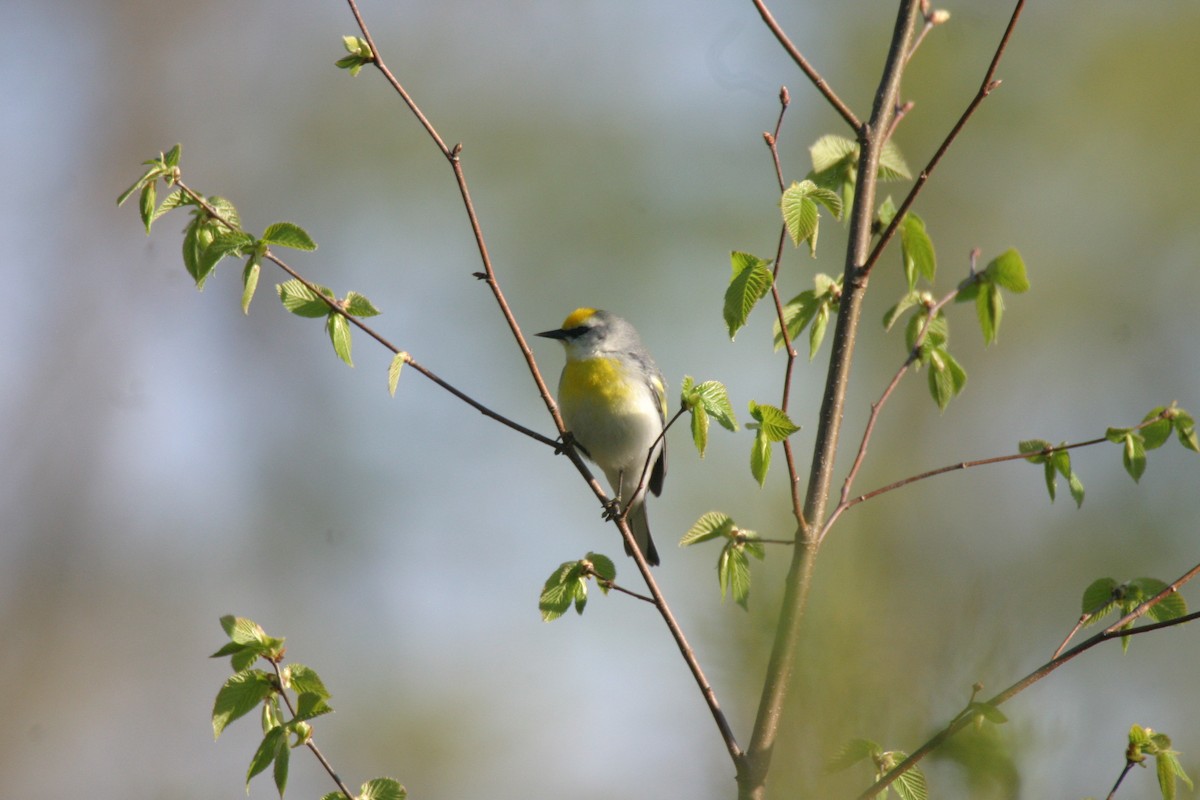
171	460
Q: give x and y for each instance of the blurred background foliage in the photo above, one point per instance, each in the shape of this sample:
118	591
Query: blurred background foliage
171	460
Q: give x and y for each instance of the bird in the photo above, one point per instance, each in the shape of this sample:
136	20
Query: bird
613	400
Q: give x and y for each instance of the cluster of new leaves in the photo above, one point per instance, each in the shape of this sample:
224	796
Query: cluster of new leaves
215	232
1146	742
706	401
250	688
569	584
910	785
927	334
733	566
1106	596
360	55
1153	432
1162	422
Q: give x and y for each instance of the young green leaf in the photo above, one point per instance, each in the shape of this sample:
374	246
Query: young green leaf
280	773
1007	270
302	301
733	572
946	377
240	695
288	234
772	421
892	166
916	249
852	752
750	282
359	306
272	744
147	202
711	525
398	362
800	213
1133	455
174	199
989	306
382	789
250	282
339	333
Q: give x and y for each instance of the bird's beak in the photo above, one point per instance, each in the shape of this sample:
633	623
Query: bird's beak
554	334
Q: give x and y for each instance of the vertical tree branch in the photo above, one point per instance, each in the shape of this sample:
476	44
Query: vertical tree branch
871	136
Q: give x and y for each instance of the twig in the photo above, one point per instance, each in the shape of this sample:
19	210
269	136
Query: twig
985	88
367	329
780	667
772	141
567	447
1113	631
982	462
452	155
310	744
807	68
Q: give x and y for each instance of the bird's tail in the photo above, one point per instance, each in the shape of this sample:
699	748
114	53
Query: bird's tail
640	526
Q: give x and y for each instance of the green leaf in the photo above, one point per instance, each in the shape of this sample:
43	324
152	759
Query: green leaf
1134	456
310	705
773	422
750	282
910	300
359	306
1034	450
711	525
272	743
147	202
1185	427
935	336
946	377
990	307
287	234
140	183
282	756
567	585
1008	271
382	789
760	457
831	150
339	333
302	301
916	248
398	362
911	785
1157	433
800	213
249	282
240	695
1099	599
733	572
1076	487
174	199
853	752
171	157
304	680
892	166
816	333
705	401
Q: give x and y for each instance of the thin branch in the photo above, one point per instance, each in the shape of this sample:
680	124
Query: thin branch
781	666
807	68
986	87
335	306
982	462
877	407
567	447
310	744
452	155
772	141
1113	631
